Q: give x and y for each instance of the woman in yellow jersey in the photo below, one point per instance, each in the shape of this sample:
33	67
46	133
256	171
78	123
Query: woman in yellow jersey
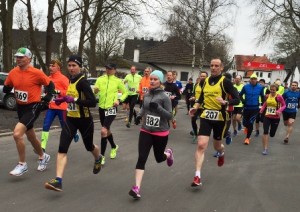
79	97
272	107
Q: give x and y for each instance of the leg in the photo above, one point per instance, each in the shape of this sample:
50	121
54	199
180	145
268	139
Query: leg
18	135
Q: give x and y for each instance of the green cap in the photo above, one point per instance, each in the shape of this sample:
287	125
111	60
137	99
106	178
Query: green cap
23	52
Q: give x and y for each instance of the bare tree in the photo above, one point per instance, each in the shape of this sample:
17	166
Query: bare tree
6	19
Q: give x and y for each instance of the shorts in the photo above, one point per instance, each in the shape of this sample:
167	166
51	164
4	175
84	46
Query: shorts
106	121
237	110
131	99
27	114
286	116
218	127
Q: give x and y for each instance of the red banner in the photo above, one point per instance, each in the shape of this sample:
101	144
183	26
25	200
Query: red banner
263	66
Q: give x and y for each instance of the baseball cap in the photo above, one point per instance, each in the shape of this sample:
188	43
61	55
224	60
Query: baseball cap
23	52
110	66
253	76
77	59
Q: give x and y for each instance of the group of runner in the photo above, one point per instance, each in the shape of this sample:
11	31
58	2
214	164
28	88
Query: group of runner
213	99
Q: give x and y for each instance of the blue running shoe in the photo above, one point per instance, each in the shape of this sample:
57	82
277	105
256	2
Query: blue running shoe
217	154
228	140
234	133
239	126
76	137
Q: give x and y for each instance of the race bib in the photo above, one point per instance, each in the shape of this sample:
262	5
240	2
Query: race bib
211	115
169	94
72	107
292	105
132	89
145	90
22	96
271	111
111	111
152	121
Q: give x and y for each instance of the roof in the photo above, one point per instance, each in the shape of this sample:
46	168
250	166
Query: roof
173	51
21	38
240	59
141	44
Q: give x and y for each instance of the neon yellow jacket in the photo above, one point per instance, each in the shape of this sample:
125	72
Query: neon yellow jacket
133	82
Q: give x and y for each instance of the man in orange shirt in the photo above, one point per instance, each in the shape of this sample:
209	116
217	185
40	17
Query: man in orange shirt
27	82
144	84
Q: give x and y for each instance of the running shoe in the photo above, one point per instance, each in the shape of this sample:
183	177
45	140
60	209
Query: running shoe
217	154
170	159
196	182
54	185
113	152
98	165
43	162
103	160
174	125
221	159
286	140
192	132
245	131
228	138
135	192
257	133
76	137
239	126
265	152
234	133
247	141
128	125
19	170
195	139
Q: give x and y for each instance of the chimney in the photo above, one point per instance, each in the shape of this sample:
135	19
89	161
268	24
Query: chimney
136	55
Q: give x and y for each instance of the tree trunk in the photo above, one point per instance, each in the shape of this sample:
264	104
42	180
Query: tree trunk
64	37
83	25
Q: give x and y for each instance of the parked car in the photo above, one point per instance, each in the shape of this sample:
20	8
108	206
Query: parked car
8	100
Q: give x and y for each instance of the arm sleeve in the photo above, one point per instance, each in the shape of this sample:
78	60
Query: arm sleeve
124	91
50	91
229	88
282	103
177	92
90	100
166	110
262	95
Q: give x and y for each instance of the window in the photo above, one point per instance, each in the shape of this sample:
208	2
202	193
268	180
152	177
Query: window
261	74
184	76
269	75
257	73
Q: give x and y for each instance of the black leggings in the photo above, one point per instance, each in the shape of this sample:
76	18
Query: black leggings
194	121
249	117
146	141
270	125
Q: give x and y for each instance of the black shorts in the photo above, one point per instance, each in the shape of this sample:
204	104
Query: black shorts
286	116
132	100
27	114
218	127
237	110
106	121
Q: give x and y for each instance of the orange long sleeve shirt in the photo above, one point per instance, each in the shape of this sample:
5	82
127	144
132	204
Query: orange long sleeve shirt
144	86
61	83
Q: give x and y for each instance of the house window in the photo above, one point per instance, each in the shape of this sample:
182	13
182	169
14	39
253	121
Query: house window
269	75
261	74
257	73
184	76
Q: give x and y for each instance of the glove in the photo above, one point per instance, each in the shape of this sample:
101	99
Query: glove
138	120
56	91
69	99
43	105
58	101
153	105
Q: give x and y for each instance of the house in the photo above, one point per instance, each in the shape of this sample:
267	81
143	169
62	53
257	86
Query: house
172	54
246	65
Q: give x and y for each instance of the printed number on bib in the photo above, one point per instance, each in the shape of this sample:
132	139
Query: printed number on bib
22	96
152	121
132	89
111	111
145	90
72	106
292	105
211	114
271	111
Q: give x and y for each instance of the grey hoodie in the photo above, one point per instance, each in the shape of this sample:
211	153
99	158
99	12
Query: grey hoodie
156	120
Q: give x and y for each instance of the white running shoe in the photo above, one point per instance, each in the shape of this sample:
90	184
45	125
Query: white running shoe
43	162
19	170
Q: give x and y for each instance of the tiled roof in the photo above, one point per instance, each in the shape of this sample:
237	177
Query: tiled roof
141	44
173	51
21	38
240	59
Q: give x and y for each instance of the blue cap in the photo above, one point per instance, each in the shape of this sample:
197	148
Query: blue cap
159	74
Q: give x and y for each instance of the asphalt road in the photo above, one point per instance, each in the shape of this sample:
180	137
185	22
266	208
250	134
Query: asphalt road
248	181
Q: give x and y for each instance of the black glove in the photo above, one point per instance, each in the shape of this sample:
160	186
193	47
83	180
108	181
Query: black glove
153	105
43	105
138	120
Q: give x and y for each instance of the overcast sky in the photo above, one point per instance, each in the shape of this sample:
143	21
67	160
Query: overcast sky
243	32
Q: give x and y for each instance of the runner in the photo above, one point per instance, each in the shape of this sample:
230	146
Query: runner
133	81
291	97
188	92
250	97
213	97
272	107
155	115
108	86
258	119
61	83
196	95
173	92
238	109
176	101
144	84
27	82
79	98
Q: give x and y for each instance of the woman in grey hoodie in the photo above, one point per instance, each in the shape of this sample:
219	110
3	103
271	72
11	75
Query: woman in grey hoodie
155	115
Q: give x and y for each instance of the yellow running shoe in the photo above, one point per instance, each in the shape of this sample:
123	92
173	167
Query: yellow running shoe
113	152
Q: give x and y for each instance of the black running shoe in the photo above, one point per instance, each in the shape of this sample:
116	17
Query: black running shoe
54	185
97	165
